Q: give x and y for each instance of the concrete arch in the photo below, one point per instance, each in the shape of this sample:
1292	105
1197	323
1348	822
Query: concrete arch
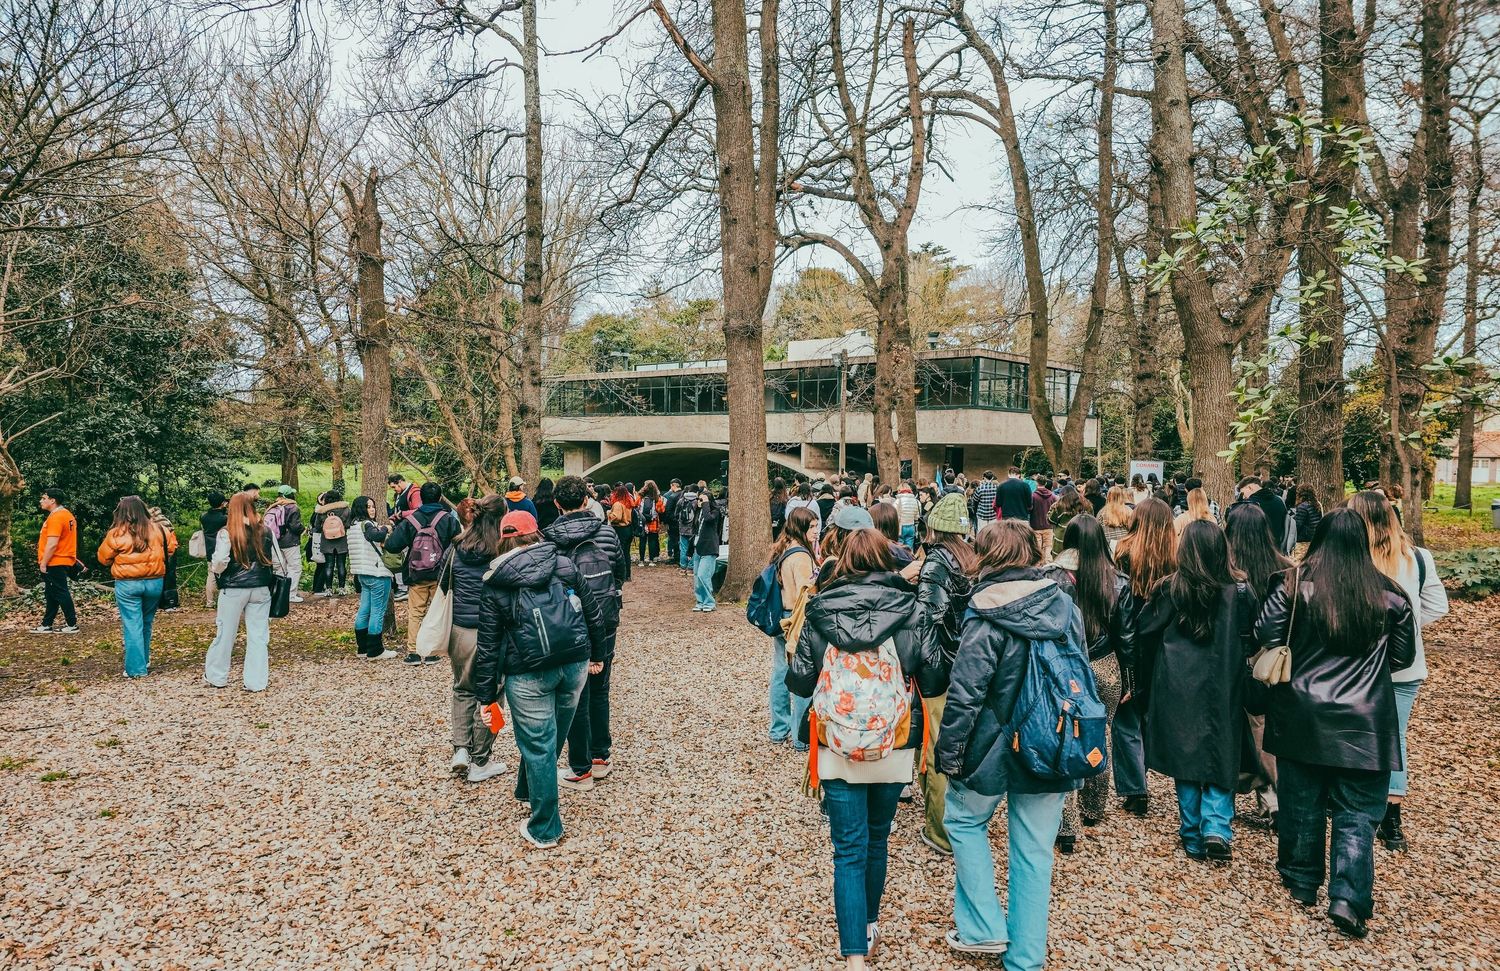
665	461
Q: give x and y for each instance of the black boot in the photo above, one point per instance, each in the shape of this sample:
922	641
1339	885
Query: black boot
361	642
1389	830
1346	920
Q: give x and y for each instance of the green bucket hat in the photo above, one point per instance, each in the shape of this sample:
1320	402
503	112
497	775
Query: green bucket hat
950	515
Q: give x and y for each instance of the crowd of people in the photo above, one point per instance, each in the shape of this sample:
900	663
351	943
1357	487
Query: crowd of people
913	629
960	593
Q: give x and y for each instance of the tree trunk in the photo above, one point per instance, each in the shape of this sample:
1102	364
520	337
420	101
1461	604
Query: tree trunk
1320	376
529	401
336	418
288	447
371	340
12	483
1210	342
1463	488
883	404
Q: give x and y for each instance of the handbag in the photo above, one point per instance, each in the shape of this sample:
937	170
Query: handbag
281	596
432	636
198	545
1273	665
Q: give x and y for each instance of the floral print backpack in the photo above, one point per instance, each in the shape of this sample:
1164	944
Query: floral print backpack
861	709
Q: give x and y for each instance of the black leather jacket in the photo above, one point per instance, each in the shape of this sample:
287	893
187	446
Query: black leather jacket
858	613
1338	709
943	593
238	576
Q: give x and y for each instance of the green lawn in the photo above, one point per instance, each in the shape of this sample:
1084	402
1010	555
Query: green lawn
1448	528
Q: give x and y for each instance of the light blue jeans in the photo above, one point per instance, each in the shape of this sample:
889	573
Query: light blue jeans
787	710
703	580
373	594
1033	821
541	708
137	600
255	604
684	552
1205	811
1406	697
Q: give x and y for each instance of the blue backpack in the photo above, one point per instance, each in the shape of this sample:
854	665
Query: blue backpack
1057	728
764	609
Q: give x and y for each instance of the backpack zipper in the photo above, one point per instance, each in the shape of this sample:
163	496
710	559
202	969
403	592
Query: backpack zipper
541	630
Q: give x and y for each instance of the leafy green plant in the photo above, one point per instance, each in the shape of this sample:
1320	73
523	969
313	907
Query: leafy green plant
56	776
111	742
106	814
1473	572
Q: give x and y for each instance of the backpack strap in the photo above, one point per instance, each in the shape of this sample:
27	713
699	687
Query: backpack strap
1421	568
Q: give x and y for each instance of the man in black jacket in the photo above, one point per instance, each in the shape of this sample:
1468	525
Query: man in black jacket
1251	491
422	580
603	565
1013	501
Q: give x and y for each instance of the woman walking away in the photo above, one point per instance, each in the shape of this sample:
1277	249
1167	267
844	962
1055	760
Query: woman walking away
944	579
1252	551
622	517
651	508
546	509
793	553
1413	570
1198	510
1307	514
136	551
330	526
1147	554
242	561
1116	516
864	639
540	633
1193	638
1102	593
366	542
779	498
1333	727
1070	503
1013	604
473	550
1093	494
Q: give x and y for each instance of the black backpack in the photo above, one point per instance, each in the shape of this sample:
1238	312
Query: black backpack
596	568
546	623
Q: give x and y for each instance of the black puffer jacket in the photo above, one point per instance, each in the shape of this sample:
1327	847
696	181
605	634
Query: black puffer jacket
943	592
1119	638
1007	611
859	613
1195	710
531	567
467	581
594	547
1338	709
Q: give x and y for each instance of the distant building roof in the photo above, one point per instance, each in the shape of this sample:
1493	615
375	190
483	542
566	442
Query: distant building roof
1487	445
857	343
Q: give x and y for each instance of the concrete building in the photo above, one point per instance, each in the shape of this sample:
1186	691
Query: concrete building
666	420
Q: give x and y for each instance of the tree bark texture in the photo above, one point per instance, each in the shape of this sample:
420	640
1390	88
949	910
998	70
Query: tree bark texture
371	340
1463	488
529	402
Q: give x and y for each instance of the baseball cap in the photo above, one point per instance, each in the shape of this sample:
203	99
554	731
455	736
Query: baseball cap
851	518
517	482
285	490
517	523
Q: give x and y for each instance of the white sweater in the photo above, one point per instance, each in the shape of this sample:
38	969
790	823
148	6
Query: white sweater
1429	601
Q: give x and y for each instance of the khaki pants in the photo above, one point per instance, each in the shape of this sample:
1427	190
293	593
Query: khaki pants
418	599
210	587
1044	543
934	783
469	730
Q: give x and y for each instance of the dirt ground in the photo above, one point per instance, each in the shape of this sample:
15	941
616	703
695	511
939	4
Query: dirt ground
164	824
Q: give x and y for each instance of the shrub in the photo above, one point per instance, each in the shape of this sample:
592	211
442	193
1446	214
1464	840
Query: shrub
1473	573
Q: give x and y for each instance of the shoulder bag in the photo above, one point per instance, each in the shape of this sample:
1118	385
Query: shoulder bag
1273	665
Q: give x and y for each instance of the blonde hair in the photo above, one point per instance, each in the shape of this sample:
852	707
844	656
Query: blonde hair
1115	512
1389	545
1197	506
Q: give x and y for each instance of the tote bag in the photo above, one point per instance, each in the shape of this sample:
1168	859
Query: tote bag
281	596
432	636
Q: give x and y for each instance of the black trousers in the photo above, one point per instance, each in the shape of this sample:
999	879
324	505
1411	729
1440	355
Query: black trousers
1355	799
650	546
589	737
338	569
58	597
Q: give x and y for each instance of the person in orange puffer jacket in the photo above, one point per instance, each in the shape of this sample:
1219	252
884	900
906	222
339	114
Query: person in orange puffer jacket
136	550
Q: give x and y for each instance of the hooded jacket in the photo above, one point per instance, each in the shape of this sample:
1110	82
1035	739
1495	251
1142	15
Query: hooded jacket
1338	709
859	613
467	587
1007	611
1195	706
118	552
517	501
1119	638
530	567
603	564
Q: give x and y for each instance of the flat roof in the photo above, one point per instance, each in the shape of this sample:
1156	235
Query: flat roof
716	367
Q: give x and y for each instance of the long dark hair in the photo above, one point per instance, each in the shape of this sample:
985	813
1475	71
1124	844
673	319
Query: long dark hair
363	508
1347	605
796	531
1071	502
134	520
483	534
1203	571
1252	547
887	520
778	490
543	492
1096	581
863	551
957	548
1006	544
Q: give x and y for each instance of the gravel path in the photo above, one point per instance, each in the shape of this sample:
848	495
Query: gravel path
314	826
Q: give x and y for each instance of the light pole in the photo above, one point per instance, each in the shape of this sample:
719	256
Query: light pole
843	360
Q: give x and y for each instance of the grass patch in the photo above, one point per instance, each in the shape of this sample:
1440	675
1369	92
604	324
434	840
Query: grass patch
57	776
10	763
262	724
106	814
111	742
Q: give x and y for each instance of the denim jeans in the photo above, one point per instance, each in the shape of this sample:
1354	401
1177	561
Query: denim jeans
374	593
541	708
1206	811
1357	800
1129	750
137	600
1406	697
1032	824
859	822
589	738
909	536
684	552
703	580
254	603
782	725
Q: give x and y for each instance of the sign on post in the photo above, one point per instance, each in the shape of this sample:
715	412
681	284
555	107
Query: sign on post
1146	468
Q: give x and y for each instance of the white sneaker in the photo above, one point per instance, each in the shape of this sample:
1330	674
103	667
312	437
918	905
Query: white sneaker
539	844
42	629
297	600
323	593
567	780
490	769
460	761
601	769
386	656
